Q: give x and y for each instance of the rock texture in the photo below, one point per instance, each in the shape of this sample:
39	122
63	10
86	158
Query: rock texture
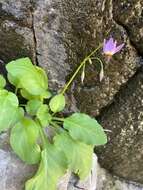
100	179
51	52
125	120
57	35
129	14
16	36
13	172
93	95
106	181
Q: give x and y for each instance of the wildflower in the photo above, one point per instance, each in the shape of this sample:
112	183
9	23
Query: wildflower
110	47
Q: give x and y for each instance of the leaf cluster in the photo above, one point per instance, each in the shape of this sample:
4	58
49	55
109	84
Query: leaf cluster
74	138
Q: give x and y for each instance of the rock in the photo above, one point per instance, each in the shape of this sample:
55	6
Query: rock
16	35
13	172
106	181
65	33
129	14
100	179
123	153
57	35
51	52
18	11
90	22
63	182
89	183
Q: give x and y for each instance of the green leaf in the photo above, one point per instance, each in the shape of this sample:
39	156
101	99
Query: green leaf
86	129
23	140
13	80
9	110
18	116
43	75
33	106
28	96
57	103
2	82
79	155
52	167
23	74
46	95
43	115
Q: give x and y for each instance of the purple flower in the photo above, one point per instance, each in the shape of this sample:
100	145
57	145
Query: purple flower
110	47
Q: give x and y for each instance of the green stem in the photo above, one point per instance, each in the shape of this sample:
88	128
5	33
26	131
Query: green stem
58	128
73	76
16	90
55	125
22	105
98	59
58	119
44	138
78	69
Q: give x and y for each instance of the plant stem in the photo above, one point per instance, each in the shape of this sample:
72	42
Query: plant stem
78	69
54	125
22	105
98	59
16	90
58	119
58	128
43	136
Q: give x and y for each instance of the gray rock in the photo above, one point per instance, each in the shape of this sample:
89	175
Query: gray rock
106	181
123	153
90	183
16	34
90	22
129	14
57	34
100	179
65	33
51	52
13	172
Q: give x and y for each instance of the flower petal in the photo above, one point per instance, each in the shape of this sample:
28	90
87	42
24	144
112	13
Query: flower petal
104	44
118	48
109	45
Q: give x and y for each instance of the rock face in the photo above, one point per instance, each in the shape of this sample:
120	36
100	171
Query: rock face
57	35
107	182
125	120
129	14
16	36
